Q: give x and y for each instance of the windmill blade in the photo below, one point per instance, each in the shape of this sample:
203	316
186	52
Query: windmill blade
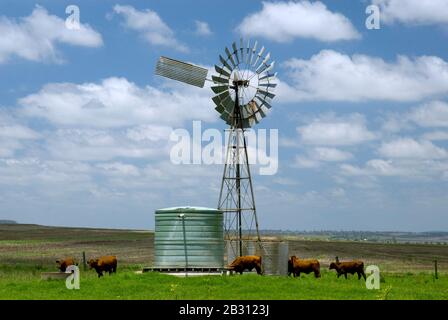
221	71
181	71
253	105
268	85
254	120
235	51
219	89
252	52
248	51
246	123
263	102
262	113
219	108
268	76
264	109
268	56
225	64
266	93
218	99
228	105
229	56
242	49
258	117
225	116
270	67
257	111
224	101
218	80
265	67
258	56
263	63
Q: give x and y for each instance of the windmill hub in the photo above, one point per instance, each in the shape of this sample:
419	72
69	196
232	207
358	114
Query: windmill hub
241	83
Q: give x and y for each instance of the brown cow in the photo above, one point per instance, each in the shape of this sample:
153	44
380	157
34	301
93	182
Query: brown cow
296	266
64	263
246	262
352	267
106	263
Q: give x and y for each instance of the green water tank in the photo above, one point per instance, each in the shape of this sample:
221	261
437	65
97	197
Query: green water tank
189	237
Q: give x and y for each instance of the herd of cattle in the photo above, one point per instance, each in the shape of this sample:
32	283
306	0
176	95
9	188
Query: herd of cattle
102	264
296	266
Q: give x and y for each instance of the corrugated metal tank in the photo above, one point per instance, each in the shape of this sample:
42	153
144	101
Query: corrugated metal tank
189	237
275	257
274	254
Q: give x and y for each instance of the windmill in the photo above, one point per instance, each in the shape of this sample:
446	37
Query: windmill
243	87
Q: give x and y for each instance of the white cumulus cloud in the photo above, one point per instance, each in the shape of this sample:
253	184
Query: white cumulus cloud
305	162
316	156
37	36
117	102
413	12
333	76
335	131
100	145
119	168
330	154
375	167
436	136
285	21
14	135
411	149
202	28
406	168
431	114
150	26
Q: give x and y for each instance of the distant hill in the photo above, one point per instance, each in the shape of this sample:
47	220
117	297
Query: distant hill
8	222
431	237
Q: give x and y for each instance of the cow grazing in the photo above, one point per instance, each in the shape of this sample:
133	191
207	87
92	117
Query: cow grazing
106	264
64	263
296	266
351	267
246	263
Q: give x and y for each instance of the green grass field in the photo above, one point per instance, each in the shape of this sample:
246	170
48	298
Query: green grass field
27	250
25	283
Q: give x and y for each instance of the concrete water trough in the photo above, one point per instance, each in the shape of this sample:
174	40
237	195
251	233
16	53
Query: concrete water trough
54	275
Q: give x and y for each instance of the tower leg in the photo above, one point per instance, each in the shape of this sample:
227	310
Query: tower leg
236	198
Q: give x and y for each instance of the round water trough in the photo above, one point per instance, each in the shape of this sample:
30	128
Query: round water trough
188	238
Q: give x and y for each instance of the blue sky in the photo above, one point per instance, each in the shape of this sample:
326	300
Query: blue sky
362	114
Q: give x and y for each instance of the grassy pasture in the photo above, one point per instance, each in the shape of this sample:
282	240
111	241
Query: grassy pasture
25	283
27	250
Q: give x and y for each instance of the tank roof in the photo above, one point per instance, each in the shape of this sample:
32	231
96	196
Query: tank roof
189	209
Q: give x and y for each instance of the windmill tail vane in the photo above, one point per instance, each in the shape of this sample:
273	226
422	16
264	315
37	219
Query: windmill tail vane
243	86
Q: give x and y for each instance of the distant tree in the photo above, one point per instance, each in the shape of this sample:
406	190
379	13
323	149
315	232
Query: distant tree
8	222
